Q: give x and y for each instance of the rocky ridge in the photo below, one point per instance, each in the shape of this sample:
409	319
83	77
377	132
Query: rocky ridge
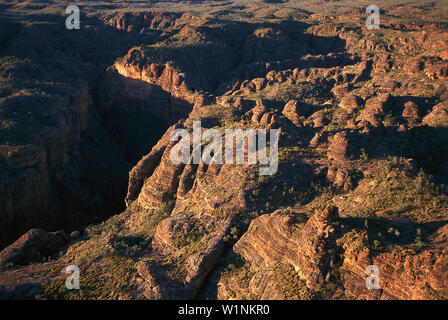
362	167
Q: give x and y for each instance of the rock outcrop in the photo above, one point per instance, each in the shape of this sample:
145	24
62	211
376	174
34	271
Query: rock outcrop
36	178
33	246
339	148
438	117
286	239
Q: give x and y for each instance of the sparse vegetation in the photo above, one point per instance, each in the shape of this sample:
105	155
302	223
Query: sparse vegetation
290	284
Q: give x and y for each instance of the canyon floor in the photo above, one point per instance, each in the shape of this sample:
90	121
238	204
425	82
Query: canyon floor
86	177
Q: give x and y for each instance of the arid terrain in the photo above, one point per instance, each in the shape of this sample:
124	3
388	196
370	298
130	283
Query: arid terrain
86	177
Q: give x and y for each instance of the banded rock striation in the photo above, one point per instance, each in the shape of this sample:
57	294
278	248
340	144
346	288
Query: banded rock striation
362	156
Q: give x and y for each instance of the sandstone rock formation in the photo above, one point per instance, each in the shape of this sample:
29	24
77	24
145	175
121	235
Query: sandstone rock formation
362	152
339	148
438	116
32	247
411	111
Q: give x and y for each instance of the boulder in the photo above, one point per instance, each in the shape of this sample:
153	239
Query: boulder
438	117
411	111
351	102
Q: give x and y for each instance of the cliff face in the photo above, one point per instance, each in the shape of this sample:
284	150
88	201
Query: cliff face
43	179
26	193
206	201
28	190
140	22
274	242
158	89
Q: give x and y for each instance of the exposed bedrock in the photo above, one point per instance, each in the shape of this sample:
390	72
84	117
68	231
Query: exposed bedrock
74	171
33	246
157	89
321	252
48	183
282	238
